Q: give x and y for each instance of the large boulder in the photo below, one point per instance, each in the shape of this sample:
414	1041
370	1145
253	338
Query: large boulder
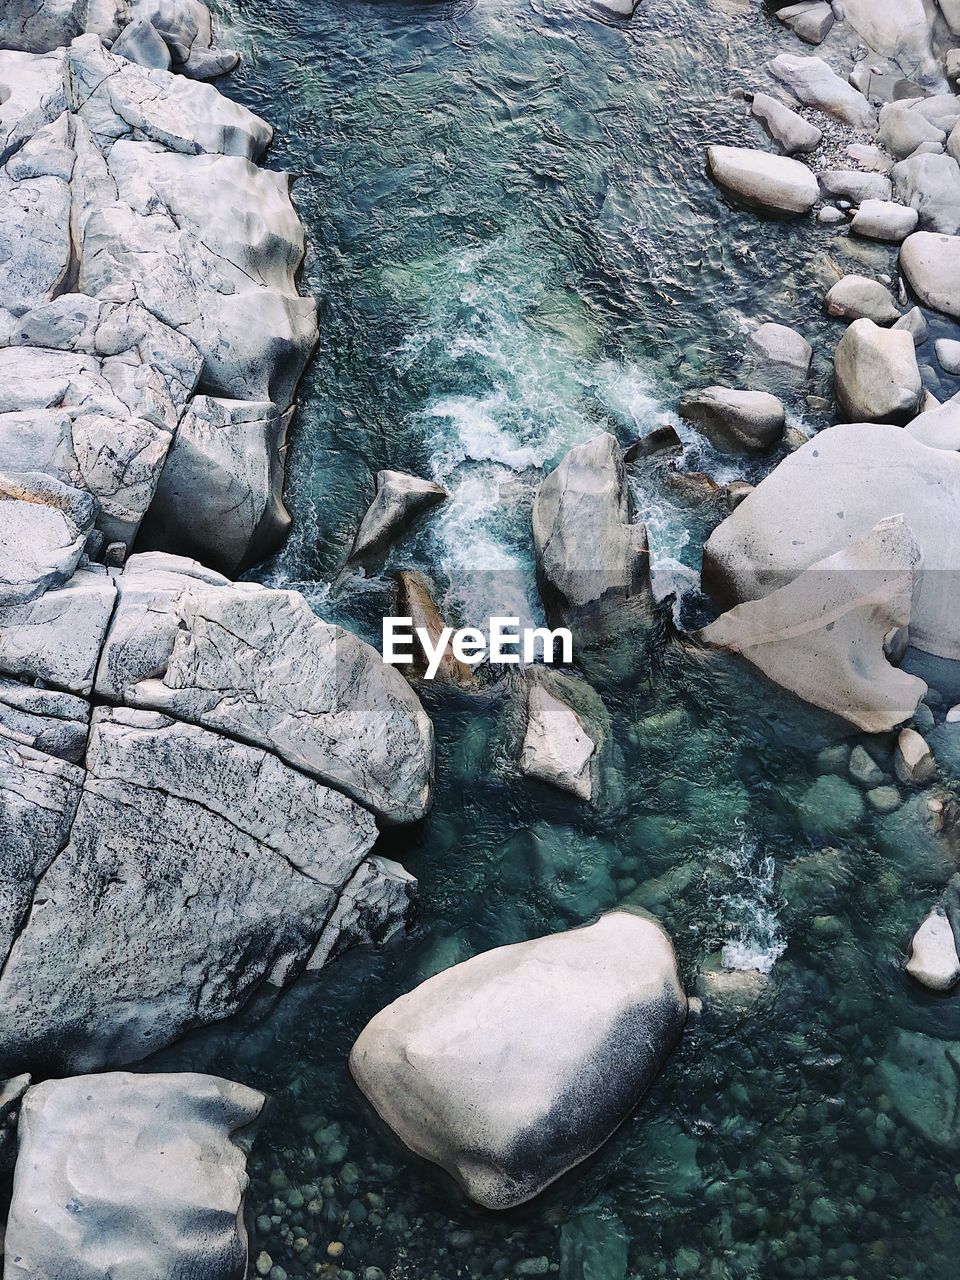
734	418
557	747
814	83
829	494
44	526
457	1067
931	185
589	555
197	870
903	130
884	220
258	665
860	298
919	1074
931	265
899	30
779	345
876	374
773	184
934	961
219	497
36	248
143	1175
822	636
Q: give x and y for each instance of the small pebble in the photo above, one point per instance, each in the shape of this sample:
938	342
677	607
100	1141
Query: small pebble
335	1249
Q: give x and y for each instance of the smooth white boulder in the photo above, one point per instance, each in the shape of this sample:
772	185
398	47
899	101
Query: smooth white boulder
931	265
857	298
737	418
822	635
876	374
931	185
934	961
458	1068
774	184
794	134
778	344
814	83
140	1175
903	130
557	748
854	185
830	493
899	30
810	21
884	220
44	526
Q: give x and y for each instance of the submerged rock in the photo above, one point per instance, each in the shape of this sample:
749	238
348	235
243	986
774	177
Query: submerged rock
415	601
919	1074
780	345
589	555
398	500
457	1068
876	374
822	636
748	419
913	760
774	184
832	492
150	1169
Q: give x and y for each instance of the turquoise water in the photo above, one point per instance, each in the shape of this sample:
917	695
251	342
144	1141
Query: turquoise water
515	246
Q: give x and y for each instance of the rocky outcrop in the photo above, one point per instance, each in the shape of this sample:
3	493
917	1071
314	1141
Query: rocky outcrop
456	1067
829	494
589	554
150	1169
772	184
822	636
876	374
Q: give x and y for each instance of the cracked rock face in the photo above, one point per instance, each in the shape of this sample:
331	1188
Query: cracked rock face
150	1169
196	869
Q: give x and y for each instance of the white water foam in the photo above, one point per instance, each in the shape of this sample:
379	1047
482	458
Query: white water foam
756	940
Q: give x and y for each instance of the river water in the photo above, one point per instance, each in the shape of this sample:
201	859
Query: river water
515	246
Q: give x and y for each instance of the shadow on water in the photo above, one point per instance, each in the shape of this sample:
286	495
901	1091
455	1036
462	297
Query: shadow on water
515	245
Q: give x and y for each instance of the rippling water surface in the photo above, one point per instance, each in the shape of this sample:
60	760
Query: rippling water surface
515	246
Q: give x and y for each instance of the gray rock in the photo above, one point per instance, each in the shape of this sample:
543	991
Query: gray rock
913	760
876	374
857	297
38	800
822	635
884	220
931	185
741	419
903	130
196	870
142	43
931	266
829	494
830	216
868	156
373	906
43	529
116	98
853	185
35	243
147	1168
914	322
588	552
776	344
814	83
219	498
557	748
455	1067
884	800
57	637
810	21
899	30
34	94
794	134
772	184
258	665
948	355
398	500
186	28
47	720
864	769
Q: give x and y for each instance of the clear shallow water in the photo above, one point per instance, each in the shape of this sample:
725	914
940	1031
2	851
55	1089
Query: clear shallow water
515	246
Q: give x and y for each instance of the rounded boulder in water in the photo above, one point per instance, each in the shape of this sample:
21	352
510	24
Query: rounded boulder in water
512	1067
